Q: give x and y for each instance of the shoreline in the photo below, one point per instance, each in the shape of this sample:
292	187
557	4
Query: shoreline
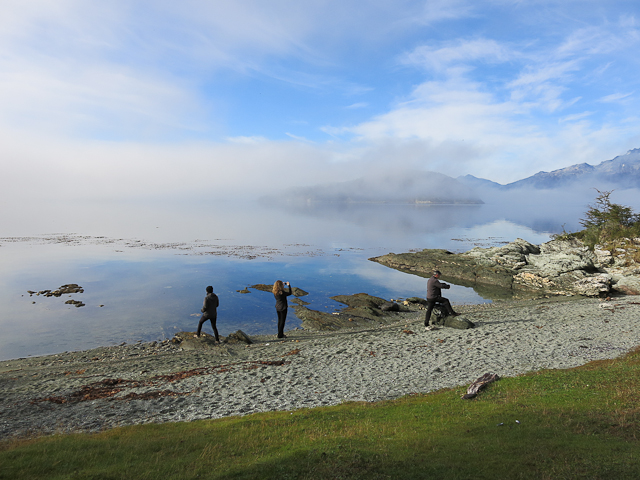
156	382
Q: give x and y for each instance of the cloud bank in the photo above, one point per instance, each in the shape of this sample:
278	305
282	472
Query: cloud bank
147	98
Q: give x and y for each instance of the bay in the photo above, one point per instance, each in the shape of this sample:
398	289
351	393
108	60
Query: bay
144	265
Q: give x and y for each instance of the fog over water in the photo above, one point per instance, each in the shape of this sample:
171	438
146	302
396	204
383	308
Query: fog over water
148	263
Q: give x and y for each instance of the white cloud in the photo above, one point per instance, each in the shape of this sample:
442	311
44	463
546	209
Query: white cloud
354	106
615	97
441	58
439	10
148	72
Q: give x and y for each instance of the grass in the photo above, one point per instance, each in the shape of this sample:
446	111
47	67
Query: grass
577	423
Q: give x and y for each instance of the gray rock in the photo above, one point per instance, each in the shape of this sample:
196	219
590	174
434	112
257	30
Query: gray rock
558	267
239	337
390	307
458	322
627	285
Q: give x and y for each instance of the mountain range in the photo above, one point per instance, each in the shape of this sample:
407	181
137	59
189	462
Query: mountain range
394	187
417	188
621	172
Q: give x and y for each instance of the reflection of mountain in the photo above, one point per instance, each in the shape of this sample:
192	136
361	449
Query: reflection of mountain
621	172
414	188
392	218
549	215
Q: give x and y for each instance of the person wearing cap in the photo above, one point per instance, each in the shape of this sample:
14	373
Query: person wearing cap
434	297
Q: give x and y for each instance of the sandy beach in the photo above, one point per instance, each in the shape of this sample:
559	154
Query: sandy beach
162	382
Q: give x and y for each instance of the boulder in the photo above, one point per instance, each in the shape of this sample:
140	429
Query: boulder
390	307
460	323
445	320
238	337
418	300
627	285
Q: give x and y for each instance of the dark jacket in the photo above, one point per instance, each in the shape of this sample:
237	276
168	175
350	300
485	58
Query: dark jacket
281	300
434	287
210	304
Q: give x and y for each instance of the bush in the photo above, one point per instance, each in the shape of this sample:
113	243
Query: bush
606	222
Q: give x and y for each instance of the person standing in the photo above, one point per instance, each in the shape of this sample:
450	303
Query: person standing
281	304
434	297
209	312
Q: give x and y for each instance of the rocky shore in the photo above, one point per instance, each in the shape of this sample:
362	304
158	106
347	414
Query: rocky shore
559	267
384	357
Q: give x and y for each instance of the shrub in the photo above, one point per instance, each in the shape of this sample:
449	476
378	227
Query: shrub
606	222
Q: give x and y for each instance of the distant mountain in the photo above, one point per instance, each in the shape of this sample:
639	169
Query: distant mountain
621	172
408	188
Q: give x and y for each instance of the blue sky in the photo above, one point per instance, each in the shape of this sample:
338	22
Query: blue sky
131	98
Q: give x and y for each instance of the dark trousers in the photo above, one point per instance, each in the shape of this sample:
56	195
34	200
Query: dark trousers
432	302
203	319
282	317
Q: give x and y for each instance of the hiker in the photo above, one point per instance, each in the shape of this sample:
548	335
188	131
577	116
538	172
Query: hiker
281	304
434	297
209	312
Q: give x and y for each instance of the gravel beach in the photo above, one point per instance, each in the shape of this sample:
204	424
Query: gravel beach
161	382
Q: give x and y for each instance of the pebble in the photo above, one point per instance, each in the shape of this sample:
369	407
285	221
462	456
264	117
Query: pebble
162	382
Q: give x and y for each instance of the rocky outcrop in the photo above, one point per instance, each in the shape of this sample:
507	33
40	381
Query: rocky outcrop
559	267
361	310
63	290
297	292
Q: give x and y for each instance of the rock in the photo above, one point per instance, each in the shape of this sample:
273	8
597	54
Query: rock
390	307
239	337
187	341
314	320
603	257
362	310
418	300
627	285
297	301
77	303
562	256
367	306
442	318
558	267
594	286
359	300
297	292
460	323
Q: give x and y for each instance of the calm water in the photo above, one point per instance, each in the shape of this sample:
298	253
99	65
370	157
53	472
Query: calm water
148	264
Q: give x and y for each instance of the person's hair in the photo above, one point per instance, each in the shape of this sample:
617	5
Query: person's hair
437	272
209	289
278	287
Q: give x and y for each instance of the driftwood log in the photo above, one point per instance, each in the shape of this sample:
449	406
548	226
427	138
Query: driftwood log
479	384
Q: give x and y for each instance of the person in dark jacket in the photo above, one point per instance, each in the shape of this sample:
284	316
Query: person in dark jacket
281	304
434	297
209	312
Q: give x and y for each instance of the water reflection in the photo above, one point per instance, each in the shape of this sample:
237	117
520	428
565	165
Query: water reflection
149	265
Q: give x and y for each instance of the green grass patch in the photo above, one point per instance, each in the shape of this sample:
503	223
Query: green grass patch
576	423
